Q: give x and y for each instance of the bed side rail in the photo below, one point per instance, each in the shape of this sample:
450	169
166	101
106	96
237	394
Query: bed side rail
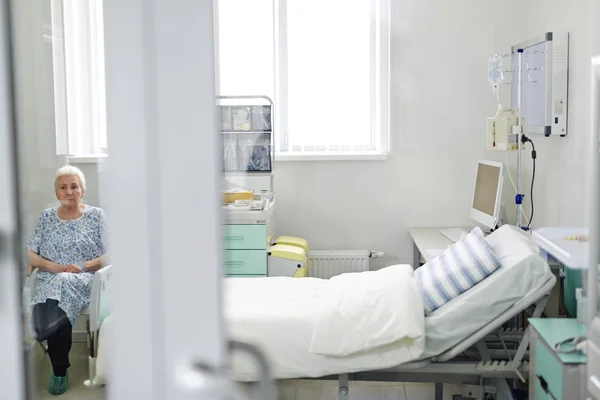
518	307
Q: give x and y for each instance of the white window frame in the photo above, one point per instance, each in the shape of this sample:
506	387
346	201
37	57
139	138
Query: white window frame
380	70
79	79
380	74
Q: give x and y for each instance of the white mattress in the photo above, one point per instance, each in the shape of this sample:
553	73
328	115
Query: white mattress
283	333
283	330
522	272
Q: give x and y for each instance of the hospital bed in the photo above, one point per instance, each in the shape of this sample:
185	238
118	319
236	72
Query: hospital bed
458	345
458	336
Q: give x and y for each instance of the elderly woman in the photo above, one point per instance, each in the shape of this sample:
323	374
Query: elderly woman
67	246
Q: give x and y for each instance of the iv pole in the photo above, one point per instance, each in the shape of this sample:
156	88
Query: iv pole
519	196
519	131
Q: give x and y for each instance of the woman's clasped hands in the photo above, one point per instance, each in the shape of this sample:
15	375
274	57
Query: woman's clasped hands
73	268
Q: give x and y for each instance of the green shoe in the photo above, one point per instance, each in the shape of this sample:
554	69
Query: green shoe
58	384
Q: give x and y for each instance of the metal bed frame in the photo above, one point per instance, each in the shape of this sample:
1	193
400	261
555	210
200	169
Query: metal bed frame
445	369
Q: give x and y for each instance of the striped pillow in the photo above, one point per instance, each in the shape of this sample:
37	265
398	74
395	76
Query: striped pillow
456	270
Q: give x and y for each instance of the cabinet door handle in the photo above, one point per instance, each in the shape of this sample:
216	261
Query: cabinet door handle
234	263
545	387
238	238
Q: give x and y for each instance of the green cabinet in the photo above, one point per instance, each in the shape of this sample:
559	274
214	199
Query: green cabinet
555	375
548	372
245	248
245	262
245	237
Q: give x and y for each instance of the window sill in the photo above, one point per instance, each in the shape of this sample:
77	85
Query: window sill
87	159
354	156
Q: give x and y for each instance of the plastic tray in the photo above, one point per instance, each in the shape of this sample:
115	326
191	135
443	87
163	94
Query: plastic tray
571	253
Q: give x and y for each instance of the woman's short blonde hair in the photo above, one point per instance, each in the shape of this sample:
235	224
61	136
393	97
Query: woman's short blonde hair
69	170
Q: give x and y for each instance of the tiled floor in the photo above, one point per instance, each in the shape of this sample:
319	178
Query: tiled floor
78	373
288	390
327	390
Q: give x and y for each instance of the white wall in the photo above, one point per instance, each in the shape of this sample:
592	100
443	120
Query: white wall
559	193
440	99
34	93
34	90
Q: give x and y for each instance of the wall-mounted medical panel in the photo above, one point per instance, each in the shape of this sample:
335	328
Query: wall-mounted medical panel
544	83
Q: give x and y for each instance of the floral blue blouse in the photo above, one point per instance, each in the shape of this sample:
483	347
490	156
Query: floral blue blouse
67	242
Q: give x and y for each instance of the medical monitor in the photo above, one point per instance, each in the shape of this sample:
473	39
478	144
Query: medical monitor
487	193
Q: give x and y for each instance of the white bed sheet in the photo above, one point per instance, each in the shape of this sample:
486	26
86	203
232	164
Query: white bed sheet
522	272
284	329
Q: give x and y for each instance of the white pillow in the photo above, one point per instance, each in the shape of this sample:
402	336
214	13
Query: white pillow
456	270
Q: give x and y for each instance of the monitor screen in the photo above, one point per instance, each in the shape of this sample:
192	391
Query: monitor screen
488	187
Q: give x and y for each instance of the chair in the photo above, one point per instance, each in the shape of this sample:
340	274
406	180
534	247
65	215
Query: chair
91	312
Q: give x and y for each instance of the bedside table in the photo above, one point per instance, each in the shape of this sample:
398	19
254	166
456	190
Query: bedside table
555	375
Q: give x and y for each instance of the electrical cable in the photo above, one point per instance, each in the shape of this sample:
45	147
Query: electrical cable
533	157
513	183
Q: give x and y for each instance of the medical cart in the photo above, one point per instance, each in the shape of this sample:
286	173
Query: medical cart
247	153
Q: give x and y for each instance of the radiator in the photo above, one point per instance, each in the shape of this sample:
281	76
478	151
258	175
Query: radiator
325	264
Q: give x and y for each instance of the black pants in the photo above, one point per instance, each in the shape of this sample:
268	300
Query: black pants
51	323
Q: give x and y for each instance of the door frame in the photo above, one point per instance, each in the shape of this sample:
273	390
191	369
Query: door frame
162	186
13	361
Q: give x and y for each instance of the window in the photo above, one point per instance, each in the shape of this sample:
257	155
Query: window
79	86
245	49
325	63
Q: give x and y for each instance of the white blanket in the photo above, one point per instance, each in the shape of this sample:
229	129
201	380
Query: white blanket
309	327
304	326
363	311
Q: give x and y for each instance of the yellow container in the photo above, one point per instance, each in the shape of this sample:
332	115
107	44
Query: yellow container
301	272
296	242
284	260
293	241
231	197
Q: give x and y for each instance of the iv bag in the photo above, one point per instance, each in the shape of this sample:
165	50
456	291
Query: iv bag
495	75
